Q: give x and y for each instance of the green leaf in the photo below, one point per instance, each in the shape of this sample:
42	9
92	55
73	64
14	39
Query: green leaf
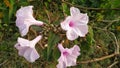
115	3
46	4
86	44
90	36
12	2
65	9
56	53
5	16
49	0
52	40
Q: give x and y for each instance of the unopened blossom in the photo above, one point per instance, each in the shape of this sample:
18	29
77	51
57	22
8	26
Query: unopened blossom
75	24
27	49
68	56
25	19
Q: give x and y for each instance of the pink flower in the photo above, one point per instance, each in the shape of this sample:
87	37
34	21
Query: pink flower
25	19
76	24
27	49
68	56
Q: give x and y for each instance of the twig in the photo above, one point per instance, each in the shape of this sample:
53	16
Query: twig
88	8
48	15
82	8
100	28
41	45
35	33
113	64
116	41
110	22
3	62
1	37
97	59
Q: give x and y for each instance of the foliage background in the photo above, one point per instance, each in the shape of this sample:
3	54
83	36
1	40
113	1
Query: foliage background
101	43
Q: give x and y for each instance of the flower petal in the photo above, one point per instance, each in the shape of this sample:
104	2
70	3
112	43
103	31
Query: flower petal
38	23
81	30
34	41
22	14
21	49
25	19
84	18
74	11
24	30
75	50
31	55
27	54
60	47
65	23
61	65
70	60
23	42
17	46
27	49
71	35
25	12
32	22
68	56
34	55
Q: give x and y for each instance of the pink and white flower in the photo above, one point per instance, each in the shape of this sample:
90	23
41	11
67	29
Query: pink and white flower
68	56
27	49
25	19
75	24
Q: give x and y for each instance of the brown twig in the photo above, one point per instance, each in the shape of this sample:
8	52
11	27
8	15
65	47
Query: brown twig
75	5
116	41
35	33
97	59
1	37
3	62
113	64
110	22
41	45
48	15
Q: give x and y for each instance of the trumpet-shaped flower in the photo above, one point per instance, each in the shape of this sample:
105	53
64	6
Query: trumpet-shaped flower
27	49
68	56
25	19
75	24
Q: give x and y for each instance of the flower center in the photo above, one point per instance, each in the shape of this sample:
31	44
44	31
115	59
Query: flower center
65	53
71	24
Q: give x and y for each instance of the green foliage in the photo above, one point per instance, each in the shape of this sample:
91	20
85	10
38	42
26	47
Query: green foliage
52	41
115	3
65	9
97	43
90	37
